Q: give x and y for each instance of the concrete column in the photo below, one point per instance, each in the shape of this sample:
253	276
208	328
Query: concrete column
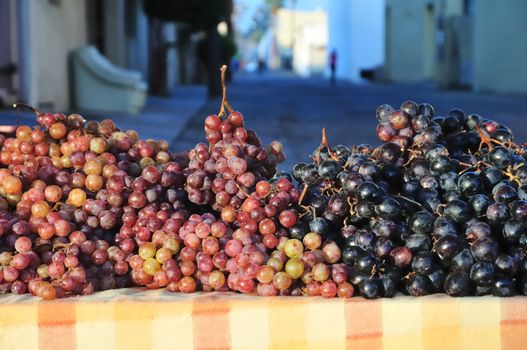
115	31
172	59
137	45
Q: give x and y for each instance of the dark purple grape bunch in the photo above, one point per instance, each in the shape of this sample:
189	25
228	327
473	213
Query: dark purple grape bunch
438	207
411	124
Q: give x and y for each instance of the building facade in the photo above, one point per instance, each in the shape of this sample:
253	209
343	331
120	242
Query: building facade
38	37
499	46
306	32
356	33
303	36
415	40
457	43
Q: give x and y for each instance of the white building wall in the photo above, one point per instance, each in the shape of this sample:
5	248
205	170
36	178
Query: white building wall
355	30
367	36
500	47
55	30
339	12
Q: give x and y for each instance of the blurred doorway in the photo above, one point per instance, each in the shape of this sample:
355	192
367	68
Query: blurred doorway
95	23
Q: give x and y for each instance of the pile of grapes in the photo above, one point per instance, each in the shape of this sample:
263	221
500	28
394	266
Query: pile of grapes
440	206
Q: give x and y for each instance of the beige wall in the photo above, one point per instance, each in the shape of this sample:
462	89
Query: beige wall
411	37
55	30
405	37
500	46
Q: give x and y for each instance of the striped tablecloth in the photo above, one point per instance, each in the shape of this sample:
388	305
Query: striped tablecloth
138	319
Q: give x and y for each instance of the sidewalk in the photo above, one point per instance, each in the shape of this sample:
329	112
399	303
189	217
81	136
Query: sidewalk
162	118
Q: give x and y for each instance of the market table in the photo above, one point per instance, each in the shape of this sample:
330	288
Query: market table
135	318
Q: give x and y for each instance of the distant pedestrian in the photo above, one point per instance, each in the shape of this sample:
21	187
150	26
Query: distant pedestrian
261	65
333	66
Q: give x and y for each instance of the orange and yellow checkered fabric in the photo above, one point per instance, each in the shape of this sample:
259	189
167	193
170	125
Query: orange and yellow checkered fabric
138	319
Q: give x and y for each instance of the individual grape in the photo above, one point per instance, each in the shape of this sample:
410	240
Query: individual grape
328	289
320	272
282	281
331	252
233	247
12	185
23	244
294	268
288	218
151	266
293	248
147	250
217	280
77	197
187	285
344	290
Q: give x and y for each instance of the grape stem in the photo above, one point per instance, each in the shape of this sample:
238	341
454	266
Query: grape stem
57	206
303	194
243	191
477	166
413	154
57	246
373	271
224	101
437	211
471	237
325	143
409	275
466	164
509	173
486	139
351	203
19	105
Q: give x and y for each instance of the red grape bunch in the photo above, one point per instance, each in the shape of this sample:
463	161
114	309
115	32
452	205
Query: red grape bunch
65	187
222	172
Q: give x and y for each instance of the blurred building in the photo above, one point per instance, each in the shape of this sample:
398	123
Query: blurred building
306	32
457	43
499	46
296	40
302	39
415	38
356	32
38	37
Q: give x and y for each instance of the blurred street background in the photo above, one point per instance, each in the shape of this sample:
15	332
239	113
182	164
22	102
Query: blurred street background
295	66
